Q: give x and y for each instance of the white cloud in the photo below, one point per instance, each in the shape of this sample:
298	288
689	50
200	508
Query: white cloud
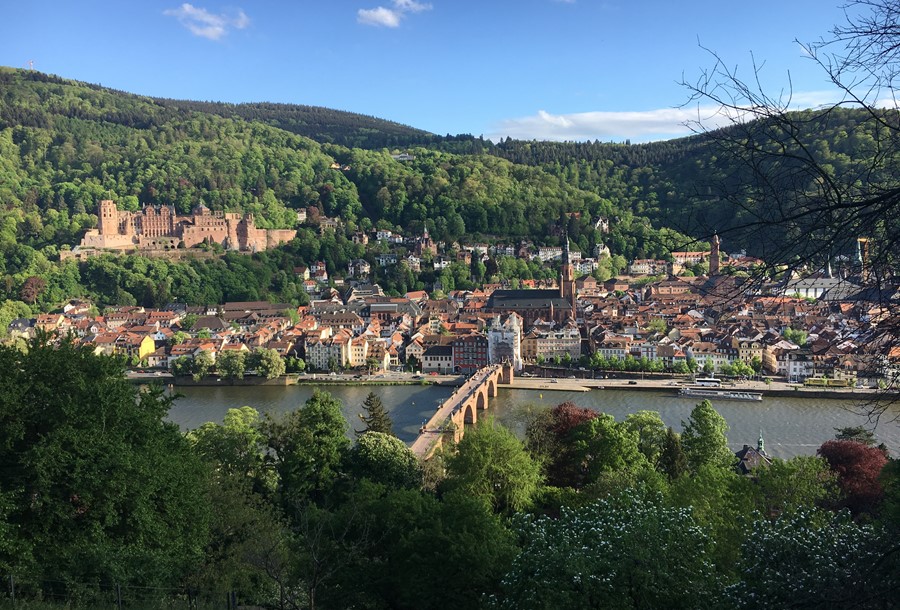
380	16
411	6
603	126
201	22
641	126
390	17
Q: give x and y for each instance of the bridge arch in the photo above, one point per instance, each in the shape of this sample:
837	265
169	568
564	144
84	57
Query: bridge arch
481	401
470	413
492	387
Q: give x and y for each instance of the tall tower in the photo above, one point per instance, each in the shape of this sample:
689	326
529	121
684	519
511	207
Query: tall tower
567	276
107	218
862	256
714	256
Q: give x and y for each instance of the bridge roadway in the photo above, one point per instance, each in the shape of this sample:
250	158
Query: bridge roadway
460	408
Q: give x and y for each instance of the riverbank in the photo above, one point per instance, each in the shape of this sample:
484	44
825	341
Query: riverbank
773	389
549	384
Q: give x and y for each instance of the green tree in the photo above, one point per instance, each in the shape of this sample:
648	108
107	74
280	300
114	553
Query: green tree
491	464
650	431
267	362
795	336
813	559
626	551
857	434
704	440
309	446
202	365
236	447
188	321
801	482
384	458
605	450
182	366
96	486
672	461
376	418
231	364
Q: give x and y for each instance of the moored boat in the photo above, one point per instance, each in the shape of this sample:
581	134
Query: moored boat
720	394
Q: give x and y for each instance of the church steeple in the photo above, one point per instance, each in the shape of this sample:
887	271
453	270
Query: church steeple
714	256
760	444
567	276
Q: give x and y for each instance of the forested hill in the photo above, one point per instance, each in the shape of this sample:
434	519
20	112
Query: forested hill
315	122
65	145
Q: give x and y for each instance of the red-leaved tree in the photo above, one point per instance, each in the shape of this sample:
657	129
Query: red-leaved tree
548	440
858	467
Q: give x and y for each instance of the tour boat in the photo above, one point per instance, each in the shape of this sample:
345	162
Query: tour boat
719	394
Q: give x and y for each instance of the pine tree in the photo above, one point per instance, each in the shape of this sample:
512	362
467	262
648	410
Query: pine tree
376	417
672	461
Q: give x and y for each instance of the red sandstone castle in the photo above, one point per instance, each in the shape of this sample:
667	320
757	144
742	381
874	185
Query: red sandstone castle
159	228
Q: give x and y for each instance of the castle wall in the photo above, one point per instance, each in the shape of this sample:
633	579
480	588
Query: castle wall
161	229
93	239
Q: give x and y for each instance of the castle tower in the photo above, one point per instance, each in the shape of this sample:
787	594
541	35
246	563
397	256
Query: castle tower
714	256
567	276
108	218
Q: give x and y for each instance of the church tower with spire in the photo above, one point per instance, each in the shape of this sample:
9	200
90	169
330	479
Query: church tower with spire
714	256
567	276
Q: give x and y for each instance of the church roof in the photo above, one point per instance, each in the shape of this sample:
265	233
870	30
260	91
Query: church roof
527	299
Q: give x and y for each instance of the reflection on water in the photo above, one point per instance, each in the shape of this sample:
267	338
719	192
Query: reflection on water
408	405
790	426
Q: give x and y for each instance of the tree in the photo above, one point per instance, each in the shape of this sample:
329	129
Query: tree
627	551
202	364
704	439
855	433
376	418
231	364
802	482
672	461
309	446
182	366
603	449
548	439
267	362
813	559
650	431
384	458
857	467
236	448
490	463
96	486
32	288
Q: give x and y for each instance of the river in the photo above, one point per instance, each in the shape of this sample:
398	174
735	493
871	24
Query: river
790	426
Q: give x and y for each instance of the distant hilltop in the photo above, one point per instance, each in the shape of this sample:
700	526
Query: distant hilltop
160	229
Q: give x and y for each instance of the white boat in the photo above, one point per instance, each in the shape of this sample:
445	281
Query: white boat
719	394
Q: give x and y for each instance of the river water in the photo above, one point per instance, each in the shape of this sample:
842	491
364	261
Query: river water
790	426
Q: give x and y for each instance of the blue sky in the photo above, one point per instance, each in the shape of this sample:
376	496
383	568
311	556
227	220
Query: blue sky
545	69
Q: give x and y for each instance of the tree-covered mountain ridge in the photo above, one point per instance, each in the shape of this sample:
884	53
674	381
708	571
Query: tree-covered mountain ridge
65	145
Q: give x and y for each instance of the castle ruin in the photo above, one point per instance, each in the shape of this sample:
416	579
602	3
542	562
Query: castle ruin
160	228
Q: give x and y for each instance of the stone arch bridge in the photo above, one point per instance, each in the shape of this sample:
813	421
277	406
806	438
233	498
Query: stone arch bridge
448	424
